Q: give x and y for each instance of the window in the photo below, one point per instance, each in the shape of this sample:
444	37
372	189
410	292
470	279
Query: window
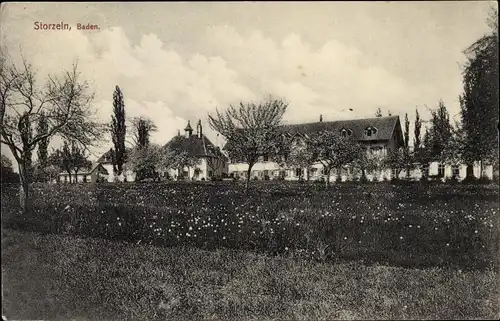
370	131
84	178
425	171
298	172
345	132
394	173
314	171
441	170
455	171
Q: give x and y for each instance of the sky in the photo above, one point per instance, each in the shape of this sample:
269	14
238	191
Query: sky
179	61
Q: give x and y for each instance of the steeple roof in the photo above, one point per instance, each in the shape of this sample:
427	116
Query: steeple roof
188	127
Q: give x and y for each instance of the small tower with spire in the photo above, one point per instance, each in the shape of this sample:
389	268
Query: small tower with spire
199	129
188	130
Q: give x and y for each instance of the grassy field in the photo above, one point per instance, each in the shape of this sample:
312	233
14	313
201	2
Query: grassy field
63	277
286	251
414	225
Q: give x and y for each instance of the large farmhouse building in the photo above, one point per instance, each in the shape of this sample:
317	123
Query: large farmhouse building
379	136
209	163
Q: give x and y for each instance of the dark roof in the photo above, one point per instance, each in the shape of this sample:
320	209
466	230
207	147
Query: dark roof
188	127
95	166
106	157
385	127
194	146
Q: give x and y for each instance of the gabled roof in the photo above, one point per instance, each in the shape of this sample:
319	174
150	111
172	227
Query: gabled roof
194	146
385	127
93	168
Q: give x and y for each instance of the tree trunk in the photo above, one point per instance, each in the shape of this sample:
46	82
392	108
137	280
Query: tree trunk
23	188
469	173
327	180
249	171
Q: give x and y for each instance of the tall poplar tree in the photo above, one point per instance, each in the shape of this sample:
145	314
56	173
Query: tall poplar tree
118	130
479	101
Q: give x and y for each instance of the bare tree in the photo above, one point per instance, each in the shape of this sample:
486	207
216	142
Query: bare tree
65	103
250	130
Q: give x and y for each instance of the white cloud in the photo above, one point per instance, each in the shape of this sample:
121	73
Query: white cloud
226	65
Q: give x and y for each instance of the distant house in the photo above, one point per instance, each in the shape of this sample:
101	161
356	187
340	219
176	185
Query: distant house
95	174
212	163
106	160
379	135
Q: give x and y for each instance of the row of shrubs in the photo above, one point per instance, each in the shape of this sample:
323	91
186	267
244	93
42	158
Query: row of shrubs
412	226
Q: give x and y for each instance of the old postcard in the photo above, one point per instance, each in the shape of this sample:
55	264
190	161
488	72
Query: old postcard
250	160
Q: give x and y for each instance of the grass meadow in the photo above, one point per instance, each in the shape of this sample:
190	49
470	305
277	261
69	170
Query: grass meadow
282	251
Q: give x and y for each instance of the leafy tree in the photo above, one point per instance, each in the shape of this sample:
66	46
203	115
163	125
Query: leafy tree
250	130
295	152
334	151
396	160
118	131
479	101
440	133
416	134
70	158
215	160
142	128
368	161
406	149
145	161
8	175
43	144
64	102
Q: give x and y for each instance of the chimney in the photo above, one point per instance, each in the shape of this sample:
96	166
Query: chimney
320	118
199	129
